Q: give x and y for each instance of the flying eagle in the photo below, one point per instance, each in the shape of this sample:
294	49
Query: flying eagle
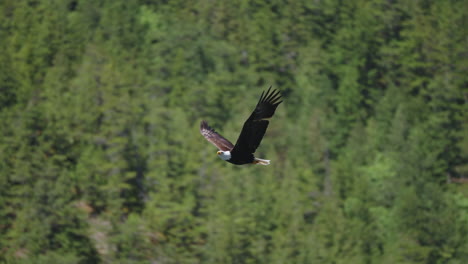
251	134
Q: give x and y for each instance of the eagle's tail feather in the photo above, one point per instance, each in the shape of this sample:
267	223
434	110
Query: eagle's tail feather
261	161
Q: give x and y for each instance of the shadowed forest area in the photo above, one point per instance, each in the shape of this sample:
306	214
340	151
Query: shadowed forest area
101	159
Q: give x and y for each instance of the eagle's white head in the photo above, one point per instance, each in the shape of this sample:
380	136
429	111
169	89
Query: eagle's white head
224	155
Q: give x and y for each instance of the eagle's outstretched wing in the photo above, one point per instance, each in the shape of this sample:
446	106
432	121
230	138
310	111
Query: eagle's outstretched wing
216	139
256	125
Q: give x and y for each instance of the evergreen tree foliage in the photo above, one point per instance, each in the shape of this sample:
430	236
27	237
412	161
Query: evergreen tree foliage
101	160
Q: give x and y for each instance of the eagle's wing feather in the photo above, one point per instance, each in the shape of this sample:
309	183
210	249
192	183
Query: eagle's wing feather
256	125
216	139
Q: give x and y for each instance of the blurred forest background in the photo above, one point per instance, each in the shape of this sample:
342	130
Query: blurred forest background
101	160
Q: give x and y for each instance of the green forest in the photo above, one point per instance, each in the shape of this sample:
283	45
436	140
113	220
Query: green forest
102	161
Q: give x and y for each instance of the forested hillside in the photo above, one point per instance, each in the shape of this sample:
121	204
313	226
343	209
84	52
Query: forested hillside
101	159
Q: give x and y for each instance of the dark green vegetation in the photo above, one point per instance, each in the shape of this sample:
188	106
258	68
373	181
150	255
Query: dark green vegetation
101	160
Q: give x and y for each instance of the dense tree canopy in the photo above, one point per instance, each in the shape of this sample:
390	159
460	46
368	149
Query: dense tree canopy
101	160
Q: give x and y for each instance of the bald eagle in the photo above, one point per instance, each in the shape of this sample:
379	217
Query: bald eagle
251	134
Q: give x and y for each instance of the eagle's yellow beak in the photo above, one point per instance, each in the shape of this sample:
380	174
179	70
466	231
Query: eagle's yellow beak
219	153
